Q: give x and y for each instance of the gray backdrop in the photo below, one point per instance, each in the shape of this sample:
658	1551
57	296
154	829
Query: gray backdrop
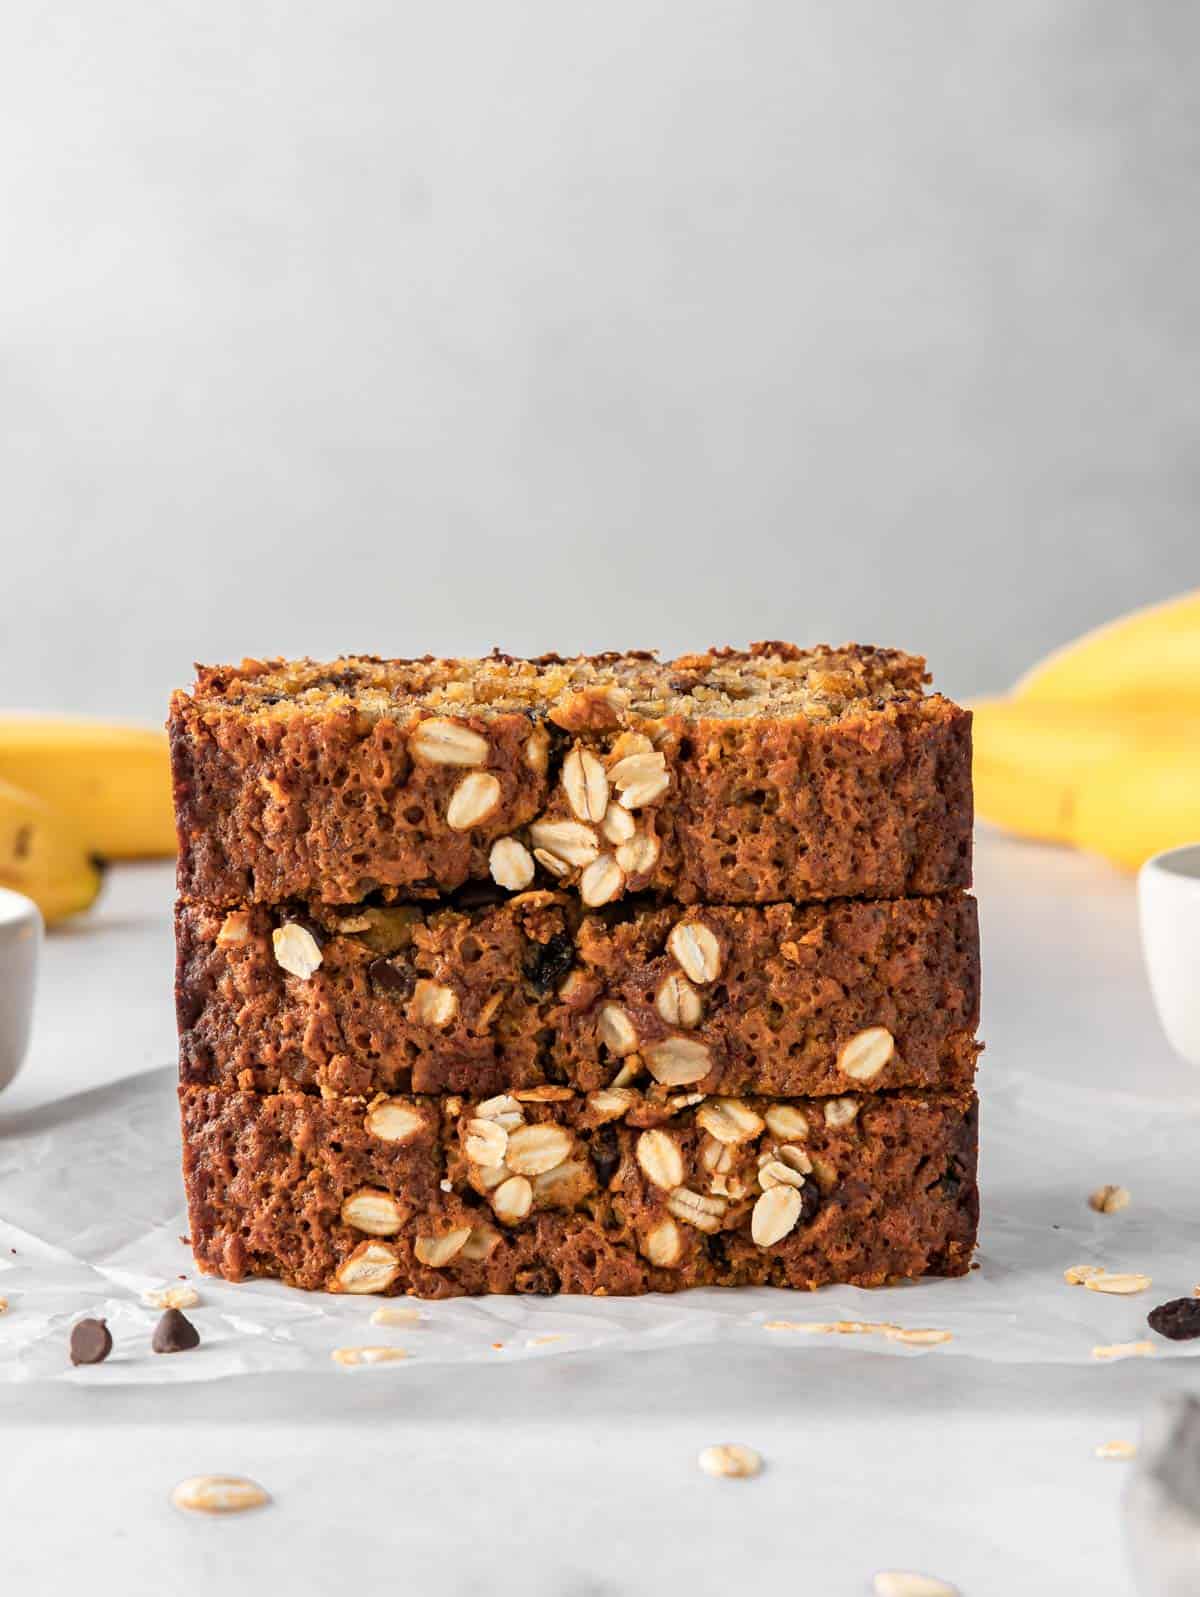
405	327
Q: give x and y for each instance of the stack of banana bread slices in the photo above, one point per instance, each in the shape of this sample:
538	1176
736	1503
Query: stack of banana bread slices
600	975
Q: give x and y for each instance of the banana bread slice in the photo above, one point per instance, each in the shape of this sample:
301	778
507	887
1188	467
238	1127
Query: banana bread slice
545	1190
779	999
724	777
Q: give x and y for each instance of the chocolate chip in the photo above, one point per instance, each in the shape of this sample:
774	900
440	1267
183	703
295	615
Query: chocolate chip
538	1279
810	1202
174	1333
90	1342
1178	1320
606	1153
388	977
550	963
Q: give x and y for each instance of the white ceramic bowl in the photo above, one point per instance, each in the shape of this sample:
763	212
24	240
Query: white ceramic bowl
20	935
1169	904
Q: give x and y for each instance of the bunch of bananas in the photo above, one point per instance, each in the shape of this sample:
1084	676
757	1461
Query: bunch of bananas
74	793
1099	746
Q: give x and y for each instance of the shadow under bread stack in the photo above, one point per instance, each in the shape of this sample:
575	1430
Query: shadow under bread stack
600	975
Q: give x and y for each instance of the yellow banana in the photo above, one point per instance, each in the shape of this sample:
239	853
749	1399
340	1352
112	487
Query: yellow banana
113	782
1130	809
1152	655
1119	784
43	856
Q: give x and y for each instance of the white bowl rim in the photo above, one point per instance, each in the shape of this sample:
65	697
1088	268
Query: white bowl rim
15	908
1180	864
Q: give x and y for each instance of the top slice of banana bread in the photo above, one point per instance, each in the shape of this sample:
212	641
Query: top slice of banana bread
725	777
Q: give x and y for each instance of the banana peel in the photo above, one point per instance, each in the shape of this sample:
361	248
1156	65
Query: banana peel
112	782
43	856
1151	656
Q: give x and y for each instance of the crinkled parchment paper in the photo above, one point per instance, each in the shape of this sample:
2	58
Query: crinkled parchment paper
91	1215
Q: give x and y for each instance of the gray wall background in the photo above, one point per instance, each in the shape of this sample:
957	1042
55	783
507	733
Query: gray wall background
404	327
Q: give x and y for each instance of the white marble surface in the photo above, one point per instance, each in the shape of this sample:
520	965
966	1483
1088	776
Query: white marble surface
576	1478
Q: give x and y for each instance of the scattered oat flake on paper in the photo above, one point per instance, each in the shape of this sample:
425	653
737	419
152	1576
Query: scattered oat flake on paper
541	1341
388	1314
918	1335
368	1355
832	1327
1109	1199
902	1583
1124	1350
1119	1285
171	1297
3	1305
730	1459
219	1494
1080	1274
1117	1450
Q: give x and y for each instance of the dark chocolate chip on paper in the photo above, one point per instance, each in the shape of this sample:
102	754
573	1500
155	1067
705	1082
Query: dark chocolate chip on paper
1178	1320
175	1333
91	1342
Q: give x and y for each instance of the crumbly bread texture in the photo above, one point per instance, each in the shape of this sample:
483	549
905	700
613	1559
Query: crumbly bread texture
780	999
725	777
614	1193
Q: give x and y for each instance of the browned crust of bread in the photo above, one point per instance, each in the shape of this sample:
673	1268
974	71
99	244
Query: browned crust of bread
531	979
267	1178
786	776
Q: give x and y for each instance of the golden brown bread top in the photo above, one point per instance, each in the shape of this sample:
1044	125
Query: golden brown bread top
583	693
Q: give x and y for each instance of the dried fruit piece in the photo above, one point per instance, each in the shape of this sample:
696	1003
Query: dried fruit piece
676	1061
695	947
296	950
367	1355
731	1460
473	800
867	1052
91	1342
372	1267
218	1494
585	784
375	1212
1178	1320
174	1333
511	864
445	742
1109	1199
393	1120
660	1159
